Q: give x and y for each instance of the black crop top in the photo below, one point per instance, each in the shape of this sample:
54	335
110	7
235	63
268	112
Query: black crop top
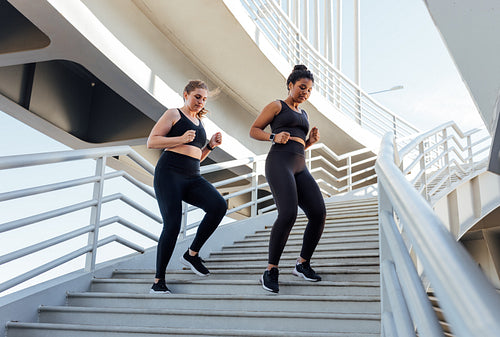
290	121
184	124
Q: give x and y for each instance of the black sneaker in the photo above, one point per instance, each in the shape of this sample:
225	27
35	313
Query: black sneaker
195	263
159	287
269	280
304	269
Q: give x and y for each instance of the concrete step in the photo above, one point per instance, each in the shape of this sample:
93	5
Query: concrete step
344	263
16	329
328	232
343	218
238	287
333	229
326	236
249	251
298	242
211	319
290	258
340	224
328	274
261	302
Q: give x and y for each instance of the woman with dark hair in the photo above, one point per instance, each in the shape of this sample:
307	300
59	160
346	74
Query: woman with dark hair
291	183
177	178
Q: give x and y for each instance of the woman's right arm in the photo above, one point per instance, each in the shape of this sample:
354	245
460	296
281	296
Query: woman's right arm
157	139
263	120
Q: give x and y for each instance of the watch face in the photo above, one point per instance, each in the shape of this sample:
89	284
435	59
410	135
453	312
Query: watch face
271	138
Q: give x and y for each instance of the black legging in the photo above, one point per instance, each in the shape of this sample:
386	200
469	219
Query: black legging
292	185
177	178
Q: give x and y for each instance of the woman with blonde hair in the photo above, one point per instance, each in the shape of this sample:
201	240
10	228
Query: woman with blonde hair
181	134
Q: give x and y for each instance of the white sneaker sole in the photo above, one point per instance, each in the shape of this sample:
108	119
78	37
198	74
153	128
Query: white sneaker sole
193	269
266	288
296	273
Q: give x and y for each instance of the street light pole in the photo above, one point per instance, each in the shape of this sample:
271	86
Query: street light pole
397	87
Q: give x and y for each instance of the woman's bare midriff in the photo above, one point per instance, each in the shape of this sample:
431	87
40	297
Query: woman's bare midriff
298	140
187	150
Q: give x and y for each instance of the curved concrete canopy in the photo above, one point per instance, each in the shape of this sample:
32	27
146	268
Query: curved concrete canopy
145	51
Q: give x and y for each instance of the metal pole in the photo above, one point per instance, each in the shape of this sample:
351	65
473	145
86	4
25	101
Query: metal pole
305	19
338	41
316	25
255	192
184	219
356	43
328	29
95	214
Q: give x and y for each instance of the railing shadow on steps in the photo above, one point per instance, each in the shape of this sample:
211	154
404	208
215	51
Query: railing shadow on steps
334	173
413	239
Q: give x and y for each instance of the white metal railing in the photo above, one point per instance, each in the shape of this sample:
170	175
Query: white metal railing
438	159
413	240
345	95
334	173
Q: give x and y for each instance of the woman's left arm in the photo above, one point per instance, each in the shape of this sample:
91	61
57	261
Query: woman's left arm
313	137
214	141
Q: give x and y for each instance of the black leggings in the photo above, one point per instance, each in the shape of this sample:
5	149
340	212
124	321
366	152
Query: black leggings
292	185
177	179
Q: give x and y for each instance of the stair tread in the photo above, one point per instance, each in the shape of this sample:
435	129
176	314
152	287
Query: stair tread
223	313
243	282
184	331
262	297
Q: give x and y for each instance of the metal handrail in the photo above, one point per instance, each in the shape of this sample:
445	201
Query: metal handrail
339	90
352	178
468	300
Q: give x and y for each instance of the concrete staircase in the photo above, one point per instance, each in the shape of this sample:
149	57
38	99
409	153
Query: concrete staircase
231	302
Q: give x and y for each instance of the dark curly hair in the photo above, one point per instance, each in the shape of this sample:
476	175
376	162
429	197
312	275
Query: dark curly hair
299	71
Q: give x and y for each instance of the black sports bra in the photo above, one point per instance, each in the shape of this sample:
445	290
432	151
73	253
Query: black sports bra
291	121
184	124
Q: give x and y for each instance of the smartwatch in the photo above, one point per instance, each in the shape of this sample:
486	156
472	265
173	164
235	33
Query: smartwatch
271	138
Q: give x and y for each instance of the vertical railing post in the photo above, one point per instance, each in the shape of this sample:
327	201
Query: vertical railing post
394	126
308	158
184	219
421	151
446	156
470	153
95	214
384	205
255	192
349	173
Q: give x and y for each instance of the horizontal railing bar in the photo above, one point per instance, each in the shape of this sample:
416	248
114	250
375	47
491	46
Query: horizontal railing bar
130	202
265	209
46	215
119	239
229	164
137	229
236	209
146	188
233	180
42	269
397	301
47	188
420	308
44	244
33	159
